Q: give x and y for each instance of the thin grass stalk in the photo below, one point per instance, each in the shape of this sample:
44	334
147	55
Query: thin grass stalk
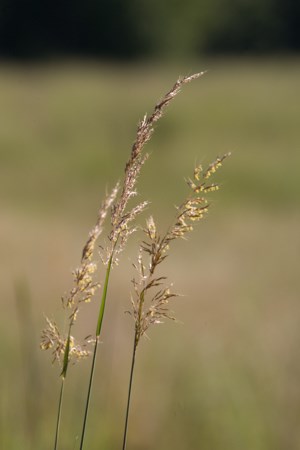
64	349
98	332
135	344
129	391
88	395
63	377
59	412
104	295
152	294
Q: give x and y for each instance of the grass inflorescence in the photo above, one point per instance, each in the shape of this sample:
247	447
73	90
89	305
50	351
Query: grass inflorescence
151	291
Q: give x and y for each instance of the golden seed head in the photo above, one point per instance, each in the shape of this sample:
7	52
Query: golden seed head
197	172
151	228
150	306
211	188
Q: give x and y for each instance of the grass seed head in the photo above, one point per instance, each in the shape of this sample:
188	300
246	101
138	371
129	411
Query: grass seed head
151	301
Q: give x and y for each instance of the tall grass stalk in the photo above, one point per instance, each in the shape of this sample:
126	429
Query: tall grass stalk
61	393
152	294
64	347
121	218
129	393
98	332
59	408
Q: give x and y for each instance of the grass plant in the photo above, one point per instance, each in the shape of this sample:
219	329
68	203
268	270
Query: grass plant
123	223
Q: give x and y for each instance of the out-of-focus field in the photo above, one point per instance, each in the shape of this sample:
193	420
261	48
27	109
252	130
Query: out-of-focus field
227	376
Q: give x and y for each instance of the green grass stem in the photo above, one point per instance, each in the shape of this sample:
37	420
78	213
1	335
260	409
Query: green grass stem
129	392
59	412
66	355
63	377
88	395
104	295
98	331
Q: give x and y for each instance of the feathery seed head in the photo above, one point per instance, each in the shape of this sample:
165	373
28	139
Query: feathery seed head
84	288
52	339
150	304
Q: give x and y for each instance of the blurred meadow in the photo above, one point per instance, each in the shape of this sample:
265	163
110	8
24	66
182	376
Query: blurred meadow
226	377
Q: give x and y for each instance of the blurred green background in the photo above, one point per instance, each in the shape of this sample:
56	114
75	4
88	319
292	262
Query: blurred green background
226	376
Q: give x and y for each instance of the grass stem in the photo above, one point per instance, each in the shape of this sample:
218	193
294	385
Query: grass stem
98	331
59	412
104	295
129	392
88	395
